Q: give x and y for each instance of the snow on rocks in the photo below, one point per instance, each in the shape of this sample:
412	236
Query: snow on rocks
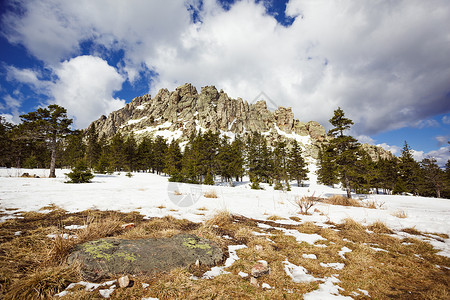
216	271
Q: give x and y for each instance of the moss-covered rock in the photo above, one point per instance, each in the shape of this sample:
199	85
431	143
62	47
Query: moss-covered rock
107	257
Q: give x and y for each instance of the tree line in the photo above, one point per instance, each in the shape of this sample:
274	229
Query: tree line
343	160
43	140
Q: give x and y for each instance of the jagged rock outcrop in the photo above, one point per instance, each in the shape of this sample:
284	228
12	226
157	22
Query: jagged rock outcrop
178	113
377	153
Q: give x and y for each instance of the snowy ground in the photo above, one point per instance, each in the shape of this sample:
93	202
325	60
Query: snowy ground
154	196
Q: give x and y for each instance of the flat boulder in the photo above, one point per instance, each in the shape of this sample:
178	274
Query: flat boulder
109	257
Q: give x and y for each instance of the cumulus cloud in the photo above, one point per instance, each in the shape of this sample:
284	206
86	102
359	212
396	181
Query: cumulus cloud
384	62
85	87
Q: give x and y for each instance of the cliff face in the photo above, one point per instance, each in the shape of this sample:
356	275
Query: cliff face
176	114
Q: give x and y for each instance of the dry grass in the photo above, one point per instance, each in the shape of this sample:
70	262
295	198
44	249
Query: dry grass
343	201
202	208
407	268
161	206
210	194
380	227
412	231
275	218
177	193
400	213
373	204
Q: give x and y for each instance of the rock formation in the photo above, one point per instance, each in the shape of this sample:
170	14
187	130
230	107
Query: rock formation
177	114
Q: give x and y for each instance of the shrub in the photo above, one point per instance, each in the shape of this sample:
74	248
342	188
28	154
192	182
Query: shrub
305	203
80	173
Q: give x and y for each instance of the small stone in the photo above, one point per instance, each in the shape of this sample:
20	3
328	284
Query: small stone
127	226
254	281
124	281
258	248
260	268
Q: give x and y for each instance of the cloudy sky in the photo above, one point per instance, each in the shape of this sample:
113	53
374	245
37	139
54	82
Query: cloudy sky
385	63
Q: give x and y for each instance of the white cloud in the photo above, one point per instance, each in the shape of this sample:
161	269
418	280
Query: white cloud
442	155
443	139
446	119
13	106
85	87
384	62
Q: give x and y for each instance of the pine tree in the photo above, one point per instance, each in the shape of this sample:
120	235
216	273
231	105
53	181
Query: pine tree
409	169
280	165
145	159
49	125
80	173
342	149
75	148
93	147
116	155
173	162
258	158
130	153
327	169
433	177
6	143
159	153
297	166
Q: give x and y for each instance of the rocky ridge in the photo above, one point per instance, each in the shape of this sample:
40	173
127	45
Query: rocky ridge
177	114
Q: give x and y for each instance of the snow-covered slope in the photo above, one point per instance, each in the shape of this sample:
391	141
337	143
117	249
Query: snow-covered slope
154	196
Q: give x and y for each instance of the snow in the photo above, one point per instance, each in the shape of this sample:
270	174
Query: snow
309	256
297	273
216	271
243	274
326	291
305	140
343	251
144	192
135	121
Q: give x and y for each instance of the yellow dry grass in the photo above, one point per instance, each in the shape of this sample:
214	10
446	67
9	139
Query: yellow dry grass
341	200
385	266
210	194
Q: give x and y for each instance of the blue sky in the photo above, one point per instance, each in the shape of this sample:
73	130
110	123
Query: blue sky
384	62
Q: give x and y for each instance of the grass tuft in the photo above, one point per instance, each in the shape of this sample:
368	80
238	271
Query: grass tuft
400	213
210	194
380	227
343	201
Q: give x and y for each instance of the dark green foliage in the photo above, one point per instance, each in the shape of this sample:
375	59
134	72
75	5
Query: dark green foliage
80	173
409	171
116	152
433	178
280	165
130	153
296	165
258	160
160	149
230	160
173	161
93	147
74	149
341	154
48	125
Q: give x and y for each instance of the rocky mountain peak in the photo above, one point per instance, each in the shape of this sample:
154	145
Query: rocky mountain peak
177	114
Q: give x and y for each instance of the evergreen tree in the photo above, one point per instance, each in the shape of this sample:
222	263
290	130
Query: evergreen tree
75	148
116	155
408	179
258	160
297	166
130	152
173	162
280	165
230	160
159	151
145	159
6	143
93	147
80	173
342	151
49	125
433	178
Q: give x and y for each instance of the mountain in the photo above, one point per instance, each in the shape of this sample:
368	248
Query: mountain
177	114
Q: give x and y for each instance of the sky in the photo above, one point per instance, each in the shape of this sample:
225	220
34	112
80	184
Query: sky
385	63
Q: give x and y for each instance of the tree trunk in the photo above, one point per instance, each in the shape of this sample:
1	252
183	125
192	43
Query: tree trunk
347	186
53	163
438	192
